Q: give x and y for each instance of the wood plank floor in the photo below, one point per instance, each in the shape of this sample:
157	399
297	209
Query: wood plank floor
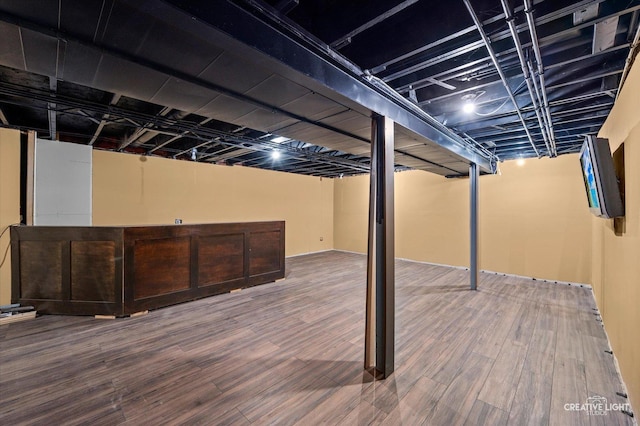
514	352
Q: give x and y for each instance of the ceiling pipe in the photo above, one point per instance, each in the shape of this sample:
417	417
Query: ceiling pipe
528	10
540	99
542	20
525	72
537	91
492	54
197	130
480	65
470	47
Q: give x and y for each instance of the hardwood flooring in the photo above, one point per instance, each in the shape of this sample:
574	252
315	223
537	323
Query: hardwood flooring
513	352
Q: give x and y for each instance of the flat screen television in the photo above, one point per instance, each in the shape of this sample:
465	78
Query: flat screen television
600	181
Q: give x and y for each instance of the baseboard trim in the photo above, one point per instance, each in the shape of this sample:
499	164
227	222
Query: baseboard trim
544	280
307	253
613	354
485	271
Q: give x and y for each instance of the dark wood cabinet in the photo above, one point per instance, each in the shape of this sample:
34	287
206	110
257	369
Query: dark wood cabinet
123	270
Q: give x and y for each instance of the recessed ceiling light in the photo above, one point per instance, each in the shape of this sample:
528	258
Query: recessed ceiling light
279	139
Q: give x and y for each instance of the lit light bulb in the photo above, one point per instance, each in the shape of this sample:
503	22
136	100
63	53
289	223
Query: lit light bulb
520	162
275	155
469	107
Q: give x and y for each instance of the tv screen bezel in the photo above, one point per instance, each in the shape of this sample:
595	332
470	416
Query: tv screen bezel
609	201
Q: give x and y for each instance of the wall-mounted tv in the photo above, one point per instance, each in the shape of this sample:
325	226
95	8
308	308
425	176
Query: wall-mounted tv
600	178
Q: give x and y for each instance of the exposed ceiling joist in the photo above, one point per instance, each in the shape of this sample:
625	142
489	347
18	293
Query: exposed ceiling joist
346	39
105	117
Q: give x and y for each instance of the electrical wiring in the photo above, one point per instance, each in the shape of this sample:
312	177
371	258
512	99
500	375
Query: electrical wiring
6	252
487	114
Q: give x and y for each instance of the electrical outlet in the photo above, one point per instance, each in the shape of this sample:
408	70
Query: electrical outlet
178	221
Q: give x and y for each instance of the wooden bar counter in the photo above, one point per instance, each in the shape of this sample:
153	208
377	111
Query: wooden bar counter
123	270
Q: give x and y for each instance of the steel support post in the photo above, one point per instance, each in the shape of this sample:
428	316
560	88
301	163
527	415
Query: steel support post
474	174
380	311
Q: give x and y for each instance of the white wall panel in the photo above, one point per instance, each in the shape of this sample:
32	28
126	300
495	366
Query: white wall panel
62	184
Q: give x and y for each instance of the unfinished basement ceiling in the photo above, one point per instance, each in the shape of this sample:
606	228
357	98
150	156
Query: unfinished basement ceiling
218	81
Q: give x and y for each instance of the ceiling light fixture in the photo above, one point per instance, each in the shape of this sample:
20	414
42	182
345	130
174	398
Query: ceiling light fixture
275	155
194	153
520	162
468	103
279	139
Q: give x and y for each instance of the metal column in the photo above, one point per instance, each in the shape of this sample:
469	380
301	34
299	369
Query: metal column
474	175
380	312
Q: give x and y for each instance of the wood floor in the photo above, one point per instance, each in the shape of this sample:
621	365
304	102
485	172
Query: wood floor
291	352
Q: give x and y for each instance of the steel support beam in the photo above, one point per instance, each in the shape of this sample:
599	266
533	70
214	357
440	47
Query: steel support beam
270	41
309	64
474	177
380	304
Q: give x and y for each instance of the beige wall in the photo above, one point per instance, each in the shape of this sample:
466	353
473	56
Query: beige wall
131	190
616	260
9	203
534	219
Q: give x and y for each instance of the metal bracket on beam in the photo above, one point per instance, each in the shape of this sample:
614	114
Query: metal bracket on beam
51	109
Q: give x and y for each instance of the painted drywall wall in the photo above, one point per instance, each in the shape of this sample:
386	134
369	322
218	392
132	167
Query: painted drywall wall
134	190
9	203
533	219
616	259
